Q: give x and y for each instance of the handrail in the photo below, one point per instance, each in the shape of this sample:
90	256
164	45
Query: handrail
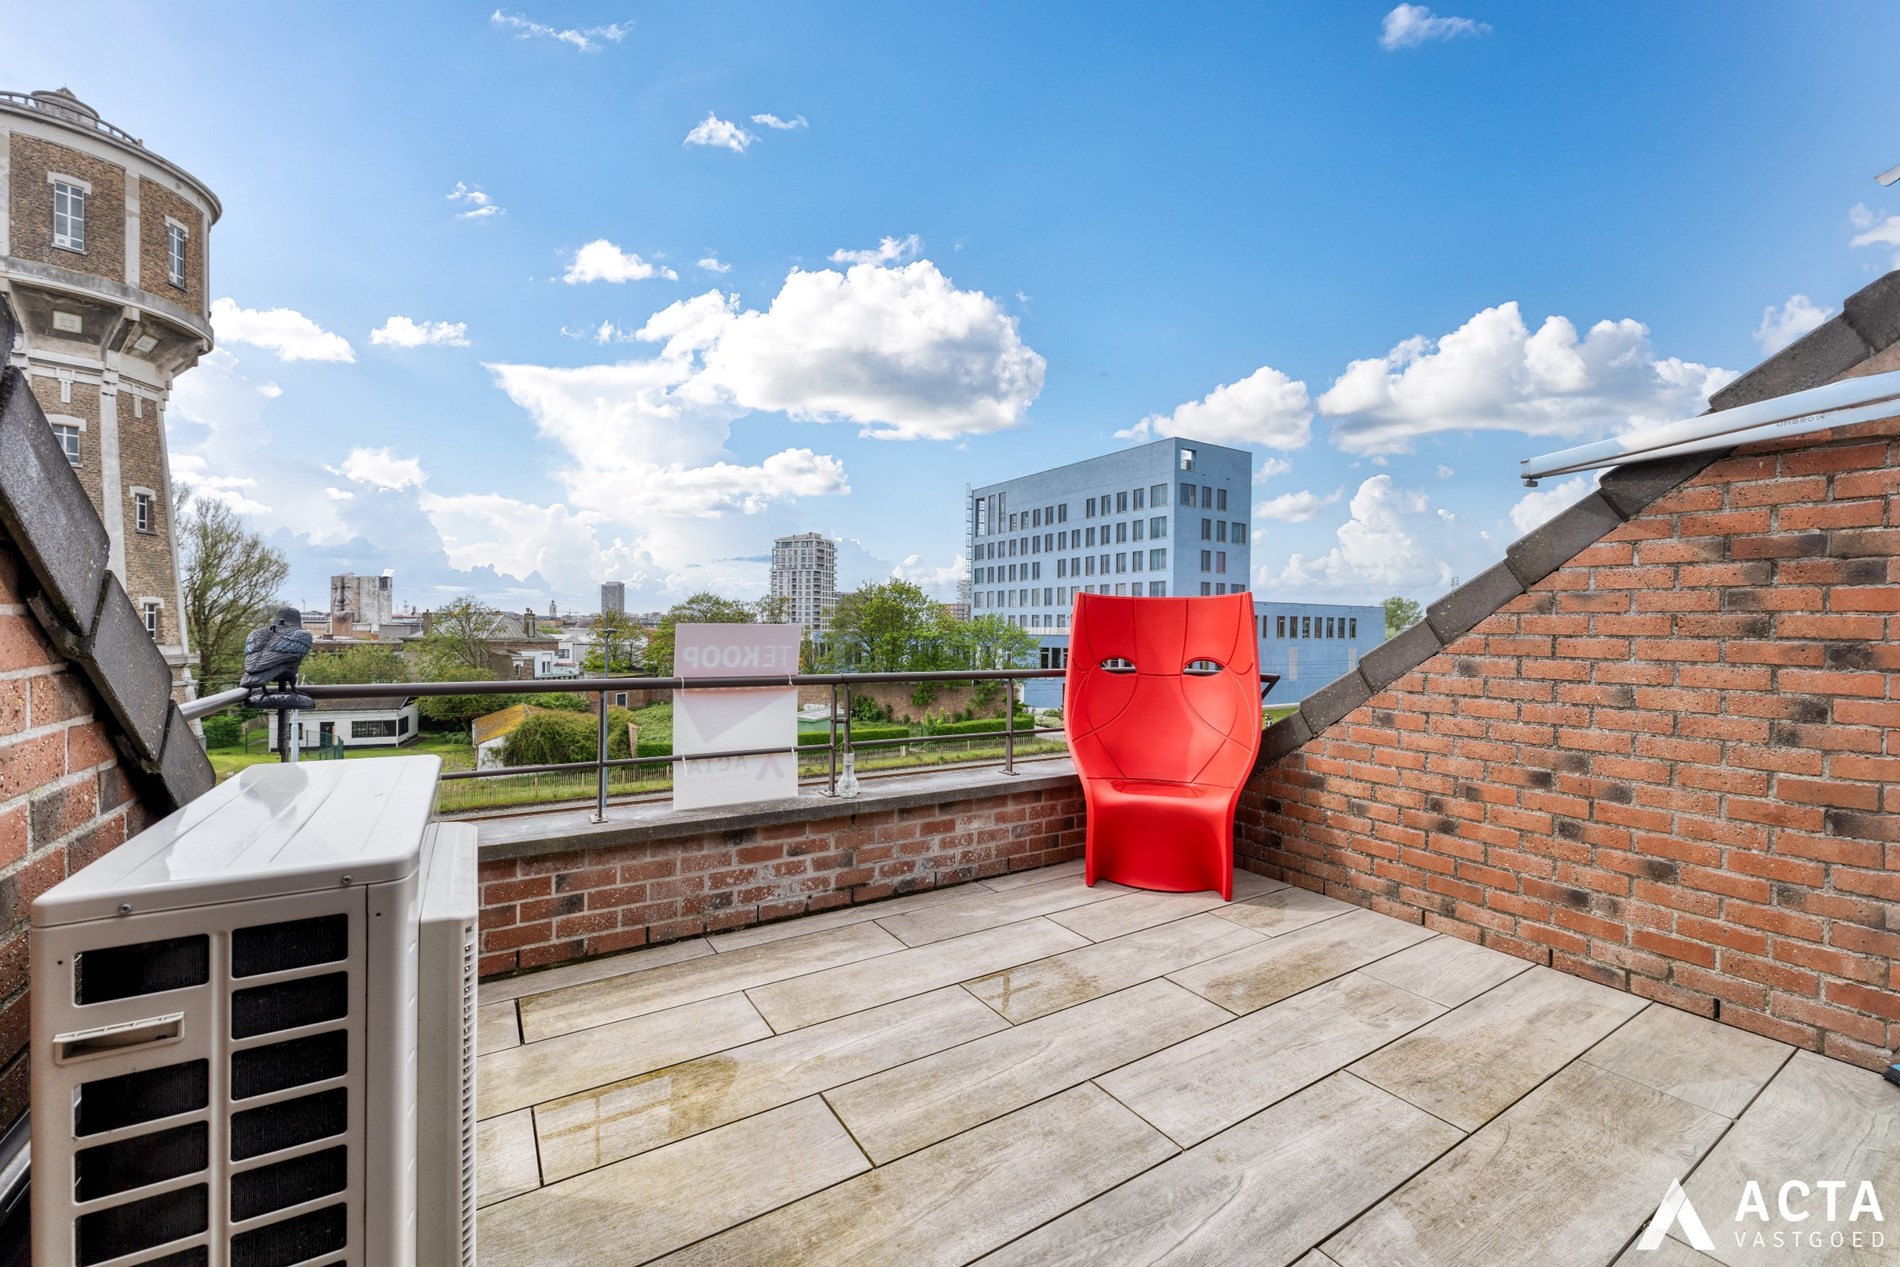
69	115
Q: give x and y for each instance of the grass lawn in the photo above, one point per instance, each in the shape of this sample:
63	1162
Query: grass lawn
454	750
1274	712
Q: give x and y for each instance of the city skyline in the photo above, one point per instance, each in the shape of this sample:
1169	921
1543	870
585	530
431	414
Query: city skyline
521	355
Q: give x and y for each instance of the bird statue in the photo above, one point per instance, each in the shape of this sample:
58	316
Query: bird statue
272	655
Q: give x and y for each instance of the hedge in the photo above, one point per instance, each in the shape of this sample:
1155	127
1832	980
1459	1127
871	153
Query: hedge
981	726
859	734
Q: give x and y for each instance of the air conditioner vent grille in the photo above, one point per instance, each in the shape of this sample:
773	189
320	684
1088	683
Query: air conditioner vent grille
259	1071
121	972
293	1240
271	1128
300	943
255	1193
196	1256
293	1004
108	1104
143	1224
106	1170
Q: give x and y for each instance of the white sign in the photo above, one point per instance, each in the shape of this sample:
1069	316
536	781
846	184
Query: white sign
724	719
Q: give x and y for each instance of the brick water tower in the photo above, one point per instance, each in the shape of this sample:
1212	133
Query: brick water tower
103	259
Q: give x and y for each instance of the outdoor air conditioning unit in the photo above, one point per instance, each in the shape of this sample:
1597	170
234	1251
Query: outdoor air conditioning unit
253	1032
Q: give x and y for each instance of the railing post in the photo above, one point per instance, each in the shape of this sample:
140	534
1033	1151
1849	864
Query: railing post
831	747
1009	725
600	765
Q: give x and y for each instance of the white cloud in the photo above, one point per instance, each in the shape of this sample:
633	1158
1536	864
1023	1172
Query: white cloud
602	261
887	251
1782	325
713	264
1295	508
284	331
516	538
780	125
1391	542
1875	230
1542	504
588	39
715	131
479	205
1493	374
938	582
269	391
1410	25
1271	467
383	470
608	332
1266	407
1445	472
339	494
402	332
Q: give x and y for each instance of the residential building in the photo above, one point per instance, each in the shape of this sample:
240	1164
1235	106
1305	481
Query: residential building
103	258
357	722
363	600
805	574
613	598
1168	518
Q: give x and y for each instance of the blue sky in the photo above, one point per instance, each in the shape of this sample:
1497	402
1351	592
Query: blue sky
1393	252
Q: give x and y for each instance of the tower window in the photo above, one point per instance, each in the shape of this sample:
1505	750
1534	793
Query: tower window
149	610
68	436
175	253
69	216
143	516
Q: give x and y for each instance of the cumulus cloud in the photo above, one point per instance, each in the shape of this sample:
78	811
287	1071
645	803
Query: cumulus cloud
780	125
1391	542
939	582
1266	408
1410	25
1782	325
476	204
1492	373
715	131
1295	508
712	263
284	331
887	251
588	39
382	469
1540	505
402	332
602	261
1875	230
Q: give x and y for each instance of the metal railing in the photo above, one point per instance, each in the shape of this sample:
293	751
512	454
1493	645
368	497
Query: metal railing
69	115
841	687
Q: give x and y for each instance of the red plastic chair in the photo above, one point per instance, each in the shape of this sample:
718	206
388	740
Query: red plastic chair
1163	749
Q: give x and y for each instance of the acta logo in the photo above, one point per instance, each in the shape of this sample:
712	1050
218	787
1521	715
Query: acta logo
1675	1208
1792	1203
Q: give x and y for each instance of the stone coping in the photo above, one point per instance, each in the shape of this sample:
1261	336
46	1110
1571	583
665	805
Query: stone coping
649	822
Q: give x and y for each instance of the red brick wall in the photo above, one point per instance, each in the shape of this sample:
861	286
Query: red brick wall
64	801
1673	766
542	910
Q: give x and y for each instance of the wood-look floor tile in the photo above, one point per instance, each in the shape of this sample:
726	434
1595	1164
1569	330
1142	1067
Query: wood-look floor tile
505	1162
1133	912
759	934
648	1205
544	980
575	1061
1285	909
915	1105
1817	1118
956	1200
1034	875
1671	1253
1261	1192
632	1116
1716	1066
1470	1064
1206	1084
940	923
1447	970
1563	1178
496	1028
1283	966
597	1002
854	987
1088	972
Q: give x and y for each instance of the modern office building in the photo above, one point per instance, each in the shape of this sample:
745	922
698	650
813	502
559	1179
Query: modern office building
1168	518
104	249
363	600
613	598
805	574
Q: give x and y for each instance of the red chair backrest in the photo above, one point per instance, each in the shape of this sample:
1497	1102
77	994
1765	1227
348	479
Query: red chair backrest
1160	723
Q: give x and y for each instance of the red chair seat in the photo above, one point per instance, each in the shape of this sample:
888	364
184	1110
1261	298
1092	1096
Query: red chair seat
1163	753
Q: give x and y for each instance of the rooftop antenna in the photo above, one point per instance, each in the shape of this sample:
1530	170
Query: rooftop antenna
1889	176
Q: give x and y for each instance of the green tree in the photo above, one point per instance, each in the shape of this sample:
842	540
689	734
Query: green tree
703	608
990	642
617	646
364	662
1400	614
455	648
231	583
887	627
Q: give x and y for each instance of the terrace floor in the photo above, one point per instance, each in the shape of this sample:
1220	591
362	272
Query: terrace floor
1029	1071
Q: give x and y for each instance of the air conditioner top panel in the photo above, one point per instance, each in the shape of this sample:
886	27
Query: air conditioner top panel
272	829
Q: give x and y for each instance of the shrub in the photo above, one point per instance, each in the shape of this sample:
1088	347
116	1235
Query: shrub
864	708
223	730
551	738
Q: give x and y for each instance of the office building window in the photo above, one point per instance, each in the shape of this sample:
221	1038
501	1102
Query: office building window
1207	497
1158	527
1134	560
1187	495
1089	566
1121	503
1141	498
1157	589
1035	519
1220	531
1220	562
1187	459
1279	626
1136	527
1062	513
1121	532
69	216
1088	509
1329	627
1207	529
1207	588
1035	571
1062	568
1121	562
1238	534
1157	560
1306	627
1352	623
1207	560
1220	499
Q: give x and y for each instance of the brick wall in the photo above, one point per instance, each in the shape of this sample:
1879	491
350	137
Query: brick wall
1671	766
545	909
64	801
155	203
30	228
